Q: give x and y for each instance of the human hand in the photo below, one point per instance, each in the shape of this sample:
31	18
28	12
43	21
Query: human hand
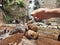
45	13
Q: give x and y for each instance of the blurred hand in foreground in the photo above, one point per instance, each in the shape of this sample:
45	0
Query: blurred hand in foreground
45	13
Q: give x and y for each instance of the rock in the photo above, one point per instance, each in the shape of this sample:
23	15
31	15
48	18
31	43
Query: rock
49	36
11	40
31	34
33	27
27	42
19	29
46	41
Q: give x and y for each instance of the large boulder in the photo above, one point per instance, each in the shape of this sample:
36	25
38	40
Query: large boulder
16	38
47	41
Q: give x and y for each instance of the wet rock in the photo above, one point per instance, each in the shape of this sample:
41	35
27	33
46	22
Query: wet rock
27	42
31	34
49	36
19	29
33	27
46	41
11	40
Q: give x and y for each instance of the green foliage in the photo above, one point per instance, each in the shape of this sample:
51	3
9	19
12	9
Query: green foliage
8	4
8	17
21	3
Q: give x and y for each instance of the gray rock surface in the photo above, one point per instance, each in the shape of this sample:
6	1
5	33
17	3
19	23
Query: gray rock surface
27	42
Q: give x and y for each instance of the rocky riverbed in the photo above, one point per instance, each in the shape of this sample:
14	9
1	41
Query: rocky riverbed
47	36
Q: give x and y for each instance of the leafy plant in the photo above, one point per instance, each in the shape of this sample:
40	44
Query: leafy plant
10	6
21	4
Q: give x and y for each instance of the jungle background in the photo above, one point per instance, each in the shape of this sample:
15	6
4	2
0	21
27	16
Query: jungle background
18	9
13	10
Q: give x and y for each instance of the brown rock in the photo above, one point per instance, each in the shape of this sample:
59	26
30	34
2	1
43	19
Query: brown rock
16	38
33	27
50	36
31	34
47	41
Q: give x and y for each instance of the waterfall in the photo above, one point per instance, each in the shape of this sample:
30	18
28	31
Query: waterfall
32	5
31	8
